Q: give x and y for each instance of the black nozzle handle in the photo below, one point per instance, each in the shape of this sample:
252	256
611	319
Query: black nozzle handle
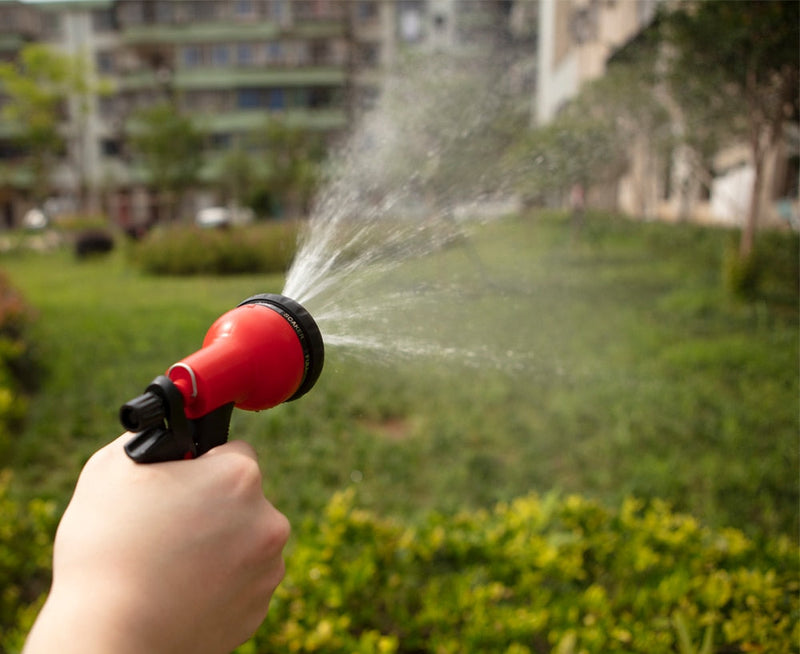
146	410
161	430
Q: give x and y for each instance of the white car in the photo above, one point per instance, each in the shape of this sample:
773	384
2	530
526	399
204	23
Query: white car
34	219
223	217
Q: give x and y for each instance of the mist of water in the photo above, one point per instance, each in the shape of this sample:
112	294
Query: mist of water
421	169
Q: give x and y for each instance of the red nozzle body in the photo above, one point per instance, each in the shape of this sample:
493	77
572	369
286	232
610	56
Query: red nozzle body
265	351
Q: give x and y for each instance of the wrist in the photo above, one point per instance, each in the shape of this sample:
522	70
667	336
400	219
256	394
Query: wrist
68	624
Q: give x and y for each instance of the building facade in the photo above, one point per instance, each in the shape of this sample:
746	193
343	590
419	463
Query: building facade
231	65
577	40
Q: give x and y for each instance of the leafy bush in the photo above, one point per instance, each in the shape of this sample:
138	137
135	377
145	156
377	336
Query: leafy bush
266	248
538	574
741	274
26	533
772	268
25	528
91	242
19	369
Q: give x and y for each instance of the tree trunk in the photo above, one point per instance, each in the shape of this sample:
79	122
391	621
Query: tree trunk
751	221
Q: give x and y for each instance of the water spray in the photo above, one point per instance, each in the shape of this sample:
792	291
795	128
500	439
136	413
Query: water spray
266	351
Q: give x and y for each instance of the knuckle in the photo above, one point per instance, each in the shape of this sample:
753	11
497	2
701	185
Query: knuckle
245	474
275	532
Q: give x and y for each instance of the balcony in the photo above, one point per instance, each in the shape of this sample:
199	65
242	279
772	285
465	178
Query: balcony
226	32
225	78
229	78
254	121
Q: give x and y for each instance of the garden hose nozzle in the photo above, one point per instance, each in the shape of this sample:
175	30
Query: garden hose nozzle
266	351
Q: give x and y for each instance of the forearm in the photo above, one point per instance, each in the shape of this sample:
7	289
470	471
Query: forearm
68	625
174	557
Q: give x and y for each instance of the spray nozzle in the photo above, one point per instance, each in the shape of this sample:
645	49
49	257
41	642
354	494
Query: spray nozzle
266	351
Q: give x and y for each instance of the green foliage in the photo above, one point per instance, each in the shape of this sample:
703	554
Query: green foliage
770	270
570	149
588	141
36	87
537	574
169	145
741	273
293	157
266	248
26	528
19	368
26	534
733	69
748	48
633	374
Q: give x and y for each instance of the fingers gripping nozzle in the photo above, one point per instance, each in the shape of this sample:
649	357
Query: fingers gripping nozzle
266	351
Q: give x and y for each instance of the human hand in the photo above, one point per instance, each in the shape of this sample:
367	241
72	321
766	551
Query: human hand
181	556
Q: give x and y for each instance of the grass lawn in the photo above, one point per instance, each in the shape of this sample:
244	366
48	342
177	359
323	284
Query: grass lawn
630	372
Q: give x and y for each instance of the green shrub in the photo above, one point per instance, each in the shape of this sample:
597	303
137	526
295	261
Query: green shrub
26	534
772	267
741	274
534	575
26	529
265	248
20	371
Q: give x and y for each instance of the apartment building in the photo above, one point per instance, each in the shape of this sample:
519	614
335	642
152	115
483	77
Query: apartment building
229	64
19	25
577	39
232	65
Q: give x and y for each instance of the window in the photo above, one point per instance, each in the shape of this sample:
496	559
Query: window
111	147
320	52
104	62
367	11
221	55
10	149
301	54
276	99
245	54
51	24
319	97
102	20
191	56
107	107
248	99
203	10
261	98
275	52
165	13
370	54
244	8
221	140
277	10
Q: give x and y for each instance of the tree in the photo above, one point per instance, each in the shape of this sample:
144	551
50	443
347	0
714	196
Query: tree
238	176
37	89
734	65
170	147
293	155
43	88
593	139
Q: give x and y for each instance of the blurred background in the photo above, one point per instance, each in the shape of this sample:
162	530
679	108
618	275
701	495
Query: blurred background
559	410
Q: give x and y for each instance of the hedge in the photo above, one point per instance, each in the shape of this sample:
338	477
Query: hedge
181	250
539	574
26	528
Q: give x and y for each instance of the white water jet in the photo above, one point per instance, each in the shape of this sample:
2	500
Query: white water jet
415	176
